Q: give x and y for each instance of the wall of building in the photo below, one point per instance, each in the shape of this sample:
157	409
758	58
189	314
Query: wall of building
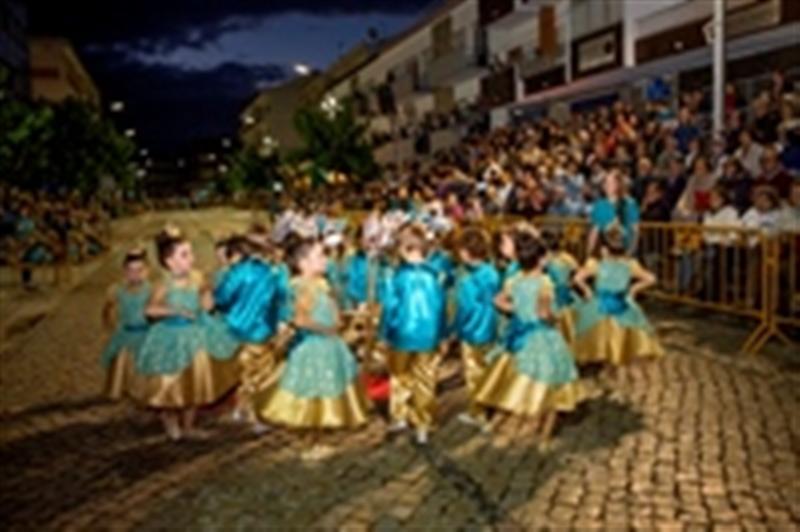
57	73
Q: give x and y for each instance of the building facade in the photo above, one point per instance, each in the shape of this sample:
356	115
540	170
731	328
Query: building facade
14	78
57	73
510	59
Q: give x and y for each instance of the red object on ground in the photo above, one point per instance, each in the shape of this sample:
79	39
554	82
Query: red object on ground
377	386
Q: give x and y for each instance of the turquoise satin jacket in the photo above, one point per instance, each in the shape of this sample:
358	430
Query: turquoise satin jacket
413	315
476	317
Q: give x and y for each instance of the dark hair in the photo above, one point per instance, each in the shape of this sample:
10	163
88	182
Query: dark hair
476	242
134	255
613	239
238	245
297	248
552	239
530	250
166	242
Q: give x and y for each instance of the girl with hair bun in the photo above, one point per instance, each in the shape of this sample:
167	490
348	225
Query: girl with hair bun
187	359
610	326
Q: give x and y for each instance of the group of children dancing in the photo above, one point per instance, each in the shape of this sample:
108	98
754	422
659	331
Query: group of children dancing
289	328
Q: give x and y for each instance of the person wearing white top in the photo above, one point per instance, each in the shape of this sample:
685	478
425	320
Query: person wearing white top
749	153
719	247
763	216
789	215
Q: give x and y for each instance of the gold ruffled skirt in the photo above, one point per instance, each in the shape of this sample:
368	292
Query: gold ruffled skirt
503	387
204	382
348	410
608	341
565	323
121	377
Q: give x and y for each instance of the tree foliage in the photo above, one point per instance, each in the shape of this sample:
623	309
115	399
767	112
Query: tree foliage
334	142
248	170
66	145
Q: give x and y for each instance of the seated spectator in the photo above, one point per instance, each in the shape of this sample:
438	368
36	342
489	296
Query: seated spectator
773	174
749	153
696	197
734	177
655	207
686	131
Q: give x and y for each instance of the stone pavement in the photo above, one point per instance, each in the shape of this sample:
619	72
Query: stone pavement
701	439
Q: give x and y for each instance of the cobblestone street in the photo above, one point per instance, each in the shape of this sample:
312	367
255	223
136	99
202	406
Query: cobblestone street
703	438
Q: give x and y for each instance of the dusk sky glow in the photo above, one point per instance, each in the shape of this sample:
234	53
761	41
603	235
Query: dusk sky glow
186	68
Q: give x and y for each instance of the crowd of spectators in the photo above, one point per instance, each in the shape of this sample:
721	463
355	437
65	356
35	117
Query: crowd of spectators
39	228
615	164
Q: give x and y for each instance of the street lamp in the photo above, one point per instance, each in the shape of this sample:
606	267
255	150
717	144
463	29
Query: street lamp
117	106
302	70
248	120
226	142
330	105
144	152
130	132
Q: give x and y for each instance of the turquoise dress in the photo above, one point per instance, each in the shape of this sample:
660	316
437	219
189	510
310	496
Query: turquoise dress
335	274
172	343
476	316
319	385
538	349
132	324
611	326
533	369
604	213
413	317
560	272
611	300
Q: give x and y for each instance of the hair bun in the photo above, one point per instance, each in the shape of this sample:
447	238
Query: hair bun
172	231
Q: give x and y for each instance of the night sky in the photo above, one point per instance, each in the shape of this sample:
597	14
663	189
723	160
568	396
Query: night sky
186	68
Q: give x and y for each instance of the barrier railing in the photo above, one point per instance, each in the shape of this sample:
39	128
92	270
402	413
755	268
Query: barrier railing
732	270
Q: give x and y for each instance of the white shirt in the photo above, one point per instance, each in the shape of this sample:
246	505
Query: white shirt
766	222
726	216
789	219
751	160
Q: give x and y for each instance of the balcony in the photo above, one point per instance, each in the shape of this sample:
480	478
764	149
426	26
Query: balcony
407	85
533	64
458	64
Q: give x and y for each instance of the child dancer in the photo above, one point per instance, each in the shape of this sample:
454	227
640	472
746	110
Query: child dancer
561	266
533	372
319	386
187	358
476	318
610	326
126	305
412	325
249	296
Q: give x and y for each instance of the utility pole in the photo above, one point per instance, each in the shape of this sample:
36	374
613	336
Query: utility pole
719	66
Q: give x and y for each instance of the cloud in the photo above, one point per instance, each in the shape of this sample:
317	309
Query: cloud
160	26
172	106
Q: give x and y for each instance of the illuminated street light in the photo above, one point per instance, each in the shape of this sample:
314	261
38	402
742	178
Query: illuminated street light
222	168
248	120
181	163
302	70
141	173
330	105
144	152
117	106
130	132
149	162
212	157
226	143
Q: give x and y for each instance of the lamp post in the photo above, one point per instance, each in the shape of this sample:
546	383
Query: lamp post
719	66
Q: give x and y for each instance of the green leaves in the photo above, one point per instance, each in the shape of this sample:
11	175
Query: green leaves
68	145
334	142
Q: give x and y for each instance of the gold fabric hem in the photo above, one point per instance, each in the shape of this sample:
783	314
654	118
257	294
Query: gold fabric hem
608	341
349	410
565	323
259	364
121	377
505	388
205	381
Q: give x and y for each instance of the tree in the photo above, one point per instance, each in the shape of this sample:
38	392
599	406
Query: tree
65	145
249	170
334	141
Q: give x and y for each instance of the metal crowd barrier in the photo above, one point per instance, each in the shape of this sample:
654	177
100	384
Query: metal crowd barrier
732	270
